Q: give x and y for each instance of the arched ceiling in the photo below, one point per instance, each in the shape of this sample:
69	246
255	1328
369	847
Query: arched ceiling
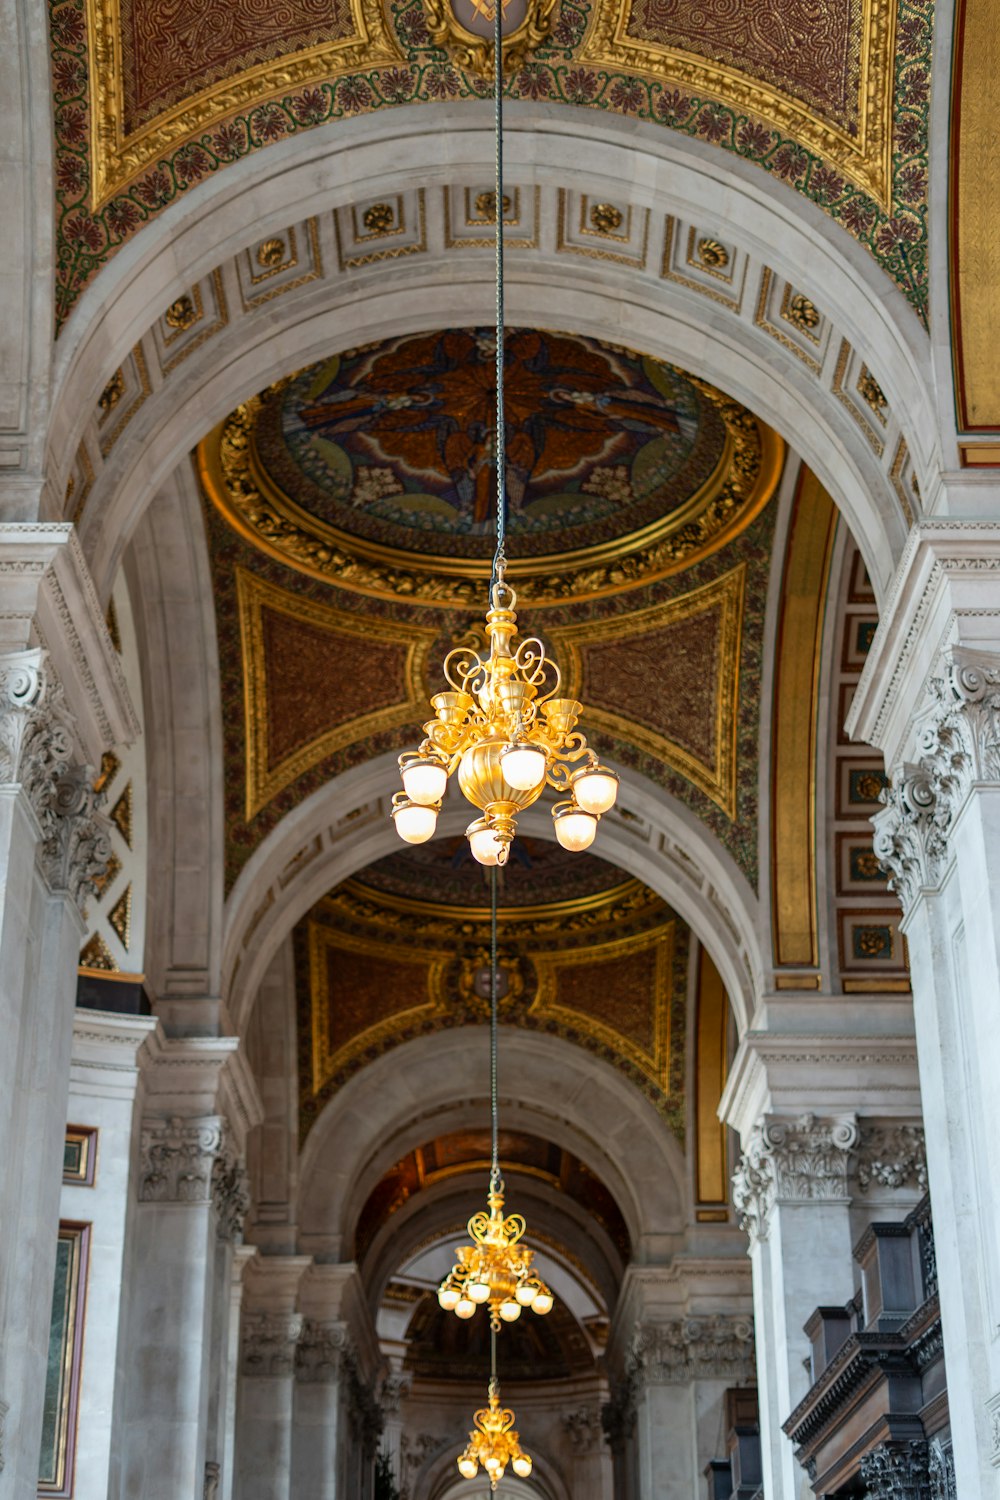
831	101
349	512
402	950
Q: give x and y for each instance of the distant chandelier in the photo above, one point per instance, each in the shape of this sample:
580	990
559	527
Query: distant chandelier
495	1269
493	1442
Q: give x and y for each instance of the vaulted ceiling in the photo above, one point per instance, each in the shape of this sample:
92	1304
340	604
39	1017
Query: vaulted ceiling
830	100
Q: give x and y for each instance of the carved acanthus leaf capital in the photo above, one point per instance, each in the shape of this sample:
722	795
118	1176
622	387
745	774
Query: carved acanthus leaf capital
719	1347
897	1471
268	1343
794	1161
583	1427
958	745
193	1161
23	683
322	1351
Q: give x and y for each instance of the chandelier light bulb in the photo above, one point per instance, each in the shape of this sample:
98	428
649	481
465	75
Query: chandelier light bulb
468	1467
448	1298
521	1465
424	781
415	823
523	766
464	1307
575	829
479	1292
510	1311
543	1303
526	1293
595	789
486	845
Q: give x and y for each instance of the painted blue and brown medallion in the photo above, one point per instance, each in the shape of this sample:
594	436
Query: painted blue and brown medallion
376	466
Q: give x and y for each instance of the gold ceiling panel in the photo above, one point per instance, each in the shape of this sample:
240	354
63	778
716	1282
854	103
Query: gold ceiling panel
316	679
693	644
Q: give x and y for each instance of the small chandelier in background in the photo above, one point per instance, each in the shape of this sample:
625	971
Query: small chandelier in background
495	1268
506	731
493	1442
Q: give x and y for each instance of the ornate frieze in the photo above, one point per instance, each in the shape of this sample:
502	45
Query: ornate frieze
897	1471
719	1347
795	1161
958	745
268	1343
892	1156
193	1161
582	1426
322	1350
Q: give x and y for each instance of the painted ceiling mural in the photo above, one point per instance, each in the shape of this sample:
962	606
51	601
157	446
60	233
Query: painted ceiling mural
831	99
349	536
607	970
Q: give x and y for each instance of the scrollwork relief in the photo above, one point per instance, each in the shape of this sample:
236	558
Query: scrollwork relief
897	1471
892	1156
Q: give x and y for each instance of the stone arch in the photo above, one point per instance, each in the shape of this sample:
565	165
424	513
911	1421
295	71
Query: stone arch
774	231
559	1092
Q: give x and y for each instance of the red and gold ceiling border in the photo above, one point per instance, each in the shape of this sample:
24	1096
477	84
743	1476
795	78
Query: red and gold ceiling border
872	180
375	971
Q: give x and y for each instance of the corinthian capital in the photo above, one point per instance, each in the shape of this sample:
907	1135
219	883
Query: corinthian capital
911	834
268	1343
801	1160
22	698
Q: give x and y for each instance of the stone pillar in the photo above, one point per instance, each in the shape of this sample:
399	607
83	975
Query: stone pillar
791	1192
108	1053
929	699
591	1470
62	702
270	1333
199	1100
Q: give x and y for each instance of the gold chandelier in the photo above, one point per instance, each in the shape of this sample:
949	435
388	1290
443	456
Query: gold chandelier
495	1269
493	1442
508	733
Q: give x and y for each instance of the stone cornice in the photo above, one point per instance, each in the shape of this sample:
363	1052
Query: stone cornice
108	1050
202	1075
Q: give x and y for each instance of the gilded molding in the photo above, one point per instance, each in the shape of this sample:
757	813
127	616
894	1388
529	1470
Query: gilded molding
725	505
263	780
726	594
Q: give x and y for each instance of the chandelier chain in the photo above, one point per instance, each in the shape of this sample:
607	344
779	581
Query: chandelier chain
499	559
494	1008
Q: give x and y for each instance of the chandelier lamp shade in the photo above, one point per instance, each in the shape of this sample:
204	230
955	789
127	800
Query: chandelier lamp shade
495	1270
493	1443
504	728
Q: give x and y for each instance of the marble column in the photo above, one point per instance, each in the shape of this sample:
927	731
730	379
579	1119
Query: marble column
108	1054
62	702
269	1334
929	699
198	1102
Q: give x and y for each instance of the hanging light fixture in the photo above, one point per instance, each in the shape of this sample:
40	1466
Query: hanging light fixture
501	723
493	1442
495	1269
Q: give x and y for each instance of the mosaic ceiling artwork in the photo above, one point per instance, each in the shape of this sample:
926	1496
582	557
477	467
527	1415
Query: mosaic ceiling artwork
830	99
608	971
350	551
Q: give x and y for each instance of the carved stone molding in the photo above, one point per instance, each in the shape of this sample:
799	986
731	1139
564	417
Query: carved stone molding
268	1343
322	1350
958	745
366	1415
395	1389
4	1409
941	1470
800	1160
583	1428
37	738
618	1414
897	1471
192	1161
210	1487
718	1347
892	1156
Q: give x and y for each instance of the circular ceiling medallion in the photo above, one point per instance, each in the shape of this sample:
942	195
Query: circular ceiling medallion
374	468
